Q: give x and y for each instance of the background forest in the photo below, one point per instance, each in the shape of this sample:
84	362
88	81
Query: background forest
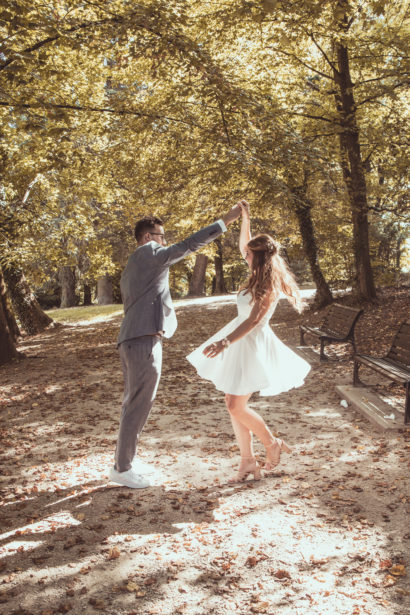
114	109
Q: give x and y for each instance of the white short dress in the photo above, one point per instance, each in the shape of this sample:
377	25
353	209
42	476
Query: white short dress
259	361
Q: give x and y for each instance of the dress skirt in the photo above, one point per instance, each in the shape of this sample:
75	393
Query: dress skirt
259	361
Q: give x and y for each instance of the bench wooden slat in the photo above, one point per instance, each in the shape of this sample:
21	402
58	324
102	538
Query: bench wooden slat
340	321
405	328
397	355
402	339
346	308
338	326
399	371
396	365
323	332
401	347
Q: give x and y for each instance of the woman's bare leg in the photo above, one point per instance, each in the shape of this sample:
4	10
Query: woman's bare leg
248	418
243	436
246	421
244	439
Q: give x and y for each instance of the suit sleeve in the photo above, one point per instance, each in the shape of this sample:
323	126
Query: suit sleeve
172	254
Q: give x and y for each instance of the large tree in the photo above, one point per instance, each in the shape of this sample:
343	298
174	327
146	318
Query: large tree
109	112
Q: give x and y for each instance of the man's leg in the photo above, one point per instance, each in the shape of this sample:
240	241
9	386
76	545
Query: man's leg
142	360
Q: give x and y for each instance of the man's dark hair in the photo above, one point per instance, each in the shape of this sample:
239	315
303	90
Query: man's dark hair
146	225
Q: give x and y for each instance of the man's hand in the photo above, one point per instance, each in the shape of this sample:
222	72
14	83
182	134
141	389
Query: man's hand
233	214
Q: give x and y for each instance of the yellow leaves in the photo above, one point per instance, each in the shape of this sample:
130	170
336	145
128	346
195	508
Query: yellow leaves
260	607
284	39
150	581
281	574
114	553
98	603
398	570
385	564
269	6
339	12
394	572
85	570
388	581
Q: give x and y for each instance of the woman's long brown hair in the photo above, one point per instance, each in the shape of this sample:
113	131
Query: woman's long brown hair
270	274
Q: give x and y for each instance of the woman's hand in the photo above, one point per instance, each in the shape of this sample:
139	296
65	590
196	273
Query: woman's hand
213	349
244	205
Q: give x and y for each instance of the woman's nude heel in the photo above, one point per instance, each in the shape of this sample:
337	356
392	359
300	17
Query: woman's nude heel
251	467
272	460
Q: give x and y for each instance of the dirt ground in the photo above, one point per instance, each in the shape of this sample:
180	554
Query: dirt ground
327	532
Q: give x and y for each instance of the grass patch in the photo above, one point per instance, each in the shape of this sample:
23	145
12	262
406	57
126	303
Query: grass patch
89	312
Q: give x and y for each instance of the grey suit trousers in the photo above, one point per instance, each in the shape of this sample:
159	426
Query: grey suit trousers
141	360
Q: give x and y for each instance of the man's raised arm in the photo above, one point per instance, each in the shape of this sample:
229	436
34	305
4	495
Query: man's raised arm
172	254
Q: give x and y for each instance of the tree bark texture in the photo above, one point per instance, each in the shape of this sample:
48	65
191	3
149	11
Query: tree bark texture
104	291
353	173
87	294
25	305
11	320
66	276
8	350
303	207
219	286
197	281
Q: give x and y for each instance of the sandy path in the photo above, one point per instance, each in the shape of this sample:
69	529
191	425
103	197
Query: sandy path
326	533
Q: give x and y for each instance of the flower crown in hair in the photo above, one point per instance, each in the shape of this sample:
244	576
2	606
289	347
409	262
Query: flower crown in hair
271	248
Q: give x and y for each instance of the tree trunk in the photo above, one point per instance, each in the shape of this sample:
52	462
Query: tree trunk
8	350
26	307
66	276
353	174
104	291
87	294
197	281
10	318
218	286
303	206
398	255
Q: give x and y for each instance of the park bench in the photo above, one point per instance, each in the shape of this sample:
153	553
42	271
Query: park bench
395	365
338	326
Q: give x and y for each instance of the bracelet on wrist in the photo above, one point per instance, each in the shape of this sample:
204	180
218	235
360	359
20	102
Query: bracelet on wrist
225	342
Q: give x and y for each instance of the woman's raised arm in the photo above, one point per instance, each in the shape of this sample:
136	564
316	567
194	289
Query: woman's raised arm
245	234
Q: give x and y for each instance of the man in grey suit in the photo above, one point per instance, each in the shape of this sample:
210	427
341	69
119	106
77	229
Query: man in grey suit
148	317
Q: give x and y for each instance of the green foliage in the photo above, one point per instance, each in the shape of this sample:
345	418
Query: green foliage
110	111
92	313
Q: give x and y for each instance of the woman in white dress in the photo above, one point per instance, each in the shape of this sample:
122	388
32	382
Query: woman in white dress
246	356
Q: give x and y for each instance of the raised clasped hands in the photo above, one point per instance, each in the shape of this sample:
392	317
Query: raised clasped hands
244	205
235	212
213	349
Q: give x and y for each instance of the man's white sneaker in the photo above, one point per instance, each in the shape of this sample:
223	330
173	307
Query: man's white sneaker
141	467
130	478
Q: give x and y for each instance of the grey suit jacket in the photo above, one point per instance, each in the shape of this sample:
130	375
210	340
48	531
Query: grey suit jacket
145	292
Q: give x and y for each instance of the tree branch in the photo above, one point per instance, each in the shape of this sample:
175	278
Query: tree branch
379	94
225	125
94	109
324	54
358	83
313	117
51	39
295	57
